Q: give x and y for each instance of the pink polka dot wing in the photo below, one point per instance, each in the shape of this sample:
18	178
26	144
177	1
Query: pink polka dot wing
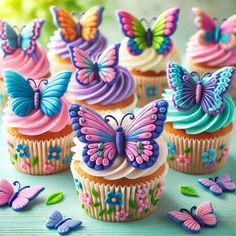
103	143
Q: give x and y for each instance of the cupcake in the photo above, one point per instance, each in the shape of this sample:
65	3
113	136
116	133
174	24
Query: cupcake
100	83
146	50
199	123
78	31
31	61
36	123
213	46
119	166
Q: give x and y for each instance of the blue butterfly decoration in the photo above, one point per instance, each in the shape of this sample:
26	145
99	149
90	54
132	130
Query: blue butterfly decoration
62	225
26	95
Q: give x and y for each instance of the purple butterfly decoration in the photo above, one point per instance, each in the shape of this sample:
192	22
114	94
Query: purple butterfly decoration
62	225
197	217
208	91
219	185
20	199
104	143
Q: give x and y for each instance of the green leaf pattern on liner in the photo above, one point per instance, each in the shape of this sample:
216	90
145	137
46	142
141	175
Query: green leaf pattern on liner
94	193
188	191
35	161
110	210
15	156
100	213
54	198
96	204
133	204
171	158
187	150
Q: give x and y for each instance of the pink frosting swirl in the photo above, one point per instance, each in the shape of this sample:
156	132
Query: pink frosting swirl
26	65
211	55
36	122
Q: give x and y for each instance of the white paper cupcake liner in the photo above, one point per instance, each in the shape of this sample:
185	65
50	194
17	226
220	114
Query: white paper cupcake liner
93	195
37	162
193	162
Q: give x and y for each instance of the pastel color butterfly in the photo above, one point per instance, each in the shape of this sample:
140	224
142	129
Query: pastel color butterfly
190	89
62	225
86	27
218	185
26	39
27	94
89	68
155	34
20	199
197	217
212	31
136	141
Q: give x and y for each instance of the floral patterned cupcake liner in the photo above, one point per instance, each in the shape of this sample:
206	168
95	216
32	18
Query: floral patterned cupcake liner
194	156
119	203
40	157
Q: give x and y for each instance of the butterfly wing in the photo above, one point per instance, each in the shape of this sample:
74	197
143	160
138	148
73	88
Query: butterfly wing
51	93
205	212
215	88
22	94
85	72
29	34
6	191
66	24
99	137
185	220
141	149
68	226
211	185
183	86
162	29
90	21
227	183
134	30
9	38
54	219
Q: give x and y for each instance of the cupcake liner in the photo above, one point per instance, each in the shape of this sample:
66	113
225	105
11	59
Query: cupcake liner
189	155
40	157
97	199
3	96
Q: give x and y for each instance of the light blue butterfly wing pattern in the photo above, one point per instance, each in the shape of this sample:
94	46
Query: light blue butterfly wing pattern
55	88
21	92
54	219
68	226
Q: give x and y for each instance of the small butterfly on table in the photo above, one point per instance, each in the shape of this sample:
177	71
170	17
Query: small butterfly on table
20	199
62	225
218	185
197	217
26	39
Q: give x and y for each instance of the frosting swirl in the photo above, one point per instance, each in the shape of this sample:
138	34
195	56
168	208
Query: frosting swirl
36	122
149	60
210	55
26	65
59	47
195	120
98	92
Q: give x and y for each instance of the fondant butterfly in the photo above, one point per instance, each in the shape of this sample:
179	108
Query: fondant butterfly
136	142
193	221
103	67
212	31
20	199
219	185
86	27
26	39
27	94
208	91
156	34
62	225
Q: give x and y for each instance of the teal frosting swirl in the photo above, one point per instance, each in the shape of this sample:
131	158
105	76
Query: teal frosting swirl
195	120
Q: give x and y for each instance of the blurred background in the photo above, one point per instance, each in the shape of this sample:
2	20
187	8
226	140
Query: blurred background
19	12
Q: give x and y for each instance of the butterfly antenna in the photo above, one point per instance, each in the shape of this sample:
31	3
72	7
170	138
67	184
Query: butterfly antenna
42	81
17	183
97	56
131	117
223	20
192	210
185	210
17	29
145	21
195	74
32	80
112	117
216	20
151	21
76	15
207	74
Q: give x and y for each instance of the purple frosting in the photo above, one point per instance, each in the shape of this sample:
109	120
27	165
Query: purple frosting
59	47
98	92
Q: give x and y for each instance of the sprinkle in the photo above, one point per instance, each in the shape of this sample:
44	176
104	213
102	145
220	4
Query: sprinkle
140	151
100	146
82	120
100	153
153	117
139	144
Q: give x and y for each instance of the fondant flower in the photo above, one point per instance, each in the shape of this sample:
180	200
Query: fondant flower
171	148
151	91
160	189
225	153
78	184
142	204
24	165
67	159
141	192
86	199
121	215
22	150
209	156
48	168
209	165
54	153
114	199
182	160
